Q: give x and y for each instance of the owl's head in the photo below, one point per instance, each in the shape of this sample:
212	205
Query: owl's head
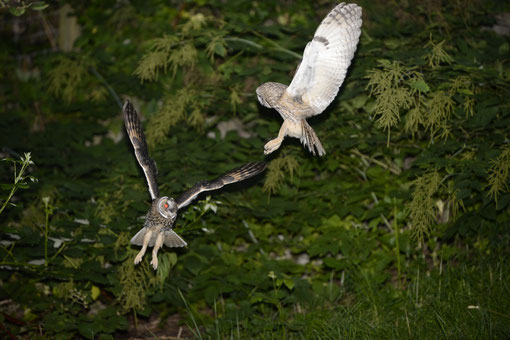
167	207
269	93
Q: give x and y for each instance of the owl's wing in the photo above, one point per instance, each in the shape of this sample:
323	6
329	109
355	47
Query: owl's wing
327	57
135	133
239	174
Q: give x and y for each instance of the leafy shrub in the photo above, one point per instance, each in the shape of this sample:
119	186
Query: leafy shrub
401	227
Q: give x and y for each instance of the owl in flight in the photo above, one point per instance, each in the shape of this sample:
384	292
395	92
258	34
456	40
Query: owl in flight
317	79
158	227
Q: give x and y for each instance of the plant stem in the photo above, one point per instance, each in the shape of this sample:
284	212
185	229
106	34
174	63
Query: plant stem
278	46
245	41
397	245
13	190
190	311
108	87
17	177
46	227
395	171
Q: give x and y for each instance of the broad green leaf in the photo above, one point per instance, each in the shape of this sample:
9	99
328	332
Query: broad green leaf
421	86
39	5
17	11
95	292
86	330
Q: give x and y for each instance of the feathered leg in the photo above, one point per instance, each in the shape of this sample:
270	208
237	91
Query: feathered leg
146	239
274	144
310	139
157	245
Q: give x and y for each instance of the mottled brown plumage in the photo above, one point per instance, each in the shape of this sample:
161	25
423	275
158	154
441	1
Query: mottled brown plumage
318	78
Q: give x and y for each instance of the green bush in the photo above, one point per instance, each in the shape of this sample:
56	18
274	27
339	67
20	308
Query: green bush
399	231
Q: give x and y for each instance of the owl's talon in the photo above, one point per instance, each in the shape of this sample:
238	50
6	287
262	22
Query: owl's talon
139	257
157	245
154	262
271	146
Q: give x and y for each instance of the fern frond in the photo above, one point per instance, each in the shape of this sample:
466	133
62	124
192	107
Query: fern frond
164	52
109	204
121	242
423	209
456	203
98	94
464	86
437	54
186	55
216	46
150	64
277	171
395	87
196	118
164	44
134	285
440	106
389	104
235	98
195	23
415	118
167	261
498	174
173	111
66	78
469	106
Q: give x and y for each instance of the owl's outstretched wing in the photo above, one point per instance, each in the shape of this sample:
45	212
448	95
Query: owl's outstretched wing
239	174
327	57
135	133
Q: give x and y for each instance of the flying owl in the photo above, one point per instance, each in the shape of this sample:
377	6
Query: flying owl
317	79
158	227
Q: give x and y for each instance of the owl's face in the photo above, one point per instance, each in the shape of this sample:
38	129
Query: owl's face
167	207
269	93
261	94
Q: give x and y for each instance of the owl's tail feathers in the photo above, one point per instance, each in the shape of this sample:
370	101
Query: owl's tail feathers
173	240
310	139
137	240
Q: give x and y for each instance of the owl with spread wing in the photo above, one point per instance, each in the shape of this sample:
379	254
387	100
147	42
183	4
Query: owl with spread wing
158	227
317	80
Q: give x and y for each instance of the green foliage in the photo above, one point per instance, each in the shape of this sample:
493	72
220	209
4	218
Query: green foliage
19	8
423	208
394	86
160	56
400	231
174	111
440	108
134	282
498	174
277	170
437	55
398	88
66	77
19	180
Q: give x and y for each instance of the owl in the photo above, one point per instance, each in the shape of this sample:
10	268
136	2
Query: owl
317	79
158	227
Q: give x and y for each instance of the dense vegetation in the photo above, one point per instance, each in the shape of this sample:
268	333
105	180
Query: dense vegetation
402	230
